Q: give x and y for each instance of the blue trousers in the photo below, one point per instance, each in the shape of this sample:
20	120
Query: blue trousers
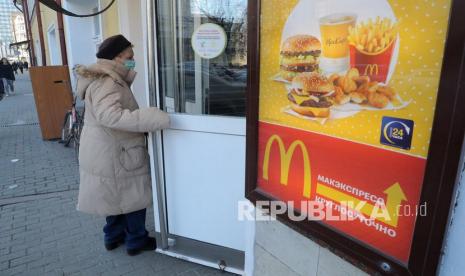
128	227
8	85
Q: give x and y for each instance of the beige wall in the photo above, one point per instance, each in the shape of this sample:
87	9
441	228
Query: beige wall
110	19
279	250
133	26
35	39
49	18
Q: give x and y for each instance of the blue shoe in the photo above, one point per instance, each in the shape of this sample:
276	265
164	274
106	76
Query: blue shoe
113	245
150	245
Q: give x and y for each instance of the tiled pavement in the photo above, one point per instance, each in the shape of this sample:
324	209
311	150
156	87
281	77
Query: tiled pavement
41	233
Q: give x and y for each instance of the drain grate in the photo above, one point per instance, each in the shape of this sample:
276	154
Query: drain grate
23	124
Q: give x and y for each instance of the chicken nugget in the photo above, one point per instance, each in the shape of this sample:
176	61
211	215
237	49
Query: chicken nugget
333	79
373	86
340	97
378	100
357	98
361	80
338	91
349	85
352	73
387	91
340	81
363	89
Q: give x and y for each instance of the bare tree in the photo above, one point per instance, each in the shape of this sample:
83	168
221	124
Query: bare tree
232	16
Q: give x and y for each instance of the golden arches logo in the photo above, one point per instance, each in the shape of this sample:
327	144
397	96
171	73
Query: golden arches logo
372	68
286	158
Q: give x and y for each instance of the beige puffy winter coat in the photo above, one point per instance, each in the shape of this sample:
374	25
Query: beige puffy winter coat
113	158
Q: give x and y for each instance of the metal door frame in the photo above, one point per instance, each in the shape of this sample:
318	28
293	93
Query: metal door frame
172	245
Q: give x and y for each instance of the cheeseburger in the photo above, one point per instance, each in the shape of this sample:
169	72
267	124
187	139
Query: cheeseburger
309	95
299	54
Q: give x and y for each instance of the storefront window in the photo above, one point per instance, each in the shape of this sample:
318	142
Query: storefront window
349	106
203	56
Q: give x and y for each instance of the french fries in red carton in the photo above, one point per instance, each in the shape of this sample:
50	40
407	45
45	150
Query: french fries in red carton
371	45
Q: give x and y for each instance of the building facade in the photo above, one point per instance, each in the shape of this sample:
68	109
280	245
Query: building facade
20	36
18	27
7	9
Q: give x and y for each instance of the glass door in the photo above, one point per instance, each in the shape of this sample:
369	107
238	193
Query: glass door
196	85
203	152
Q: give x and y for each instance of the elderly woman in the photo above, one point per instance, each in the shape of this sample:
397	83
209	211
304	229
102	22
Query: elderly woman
113	159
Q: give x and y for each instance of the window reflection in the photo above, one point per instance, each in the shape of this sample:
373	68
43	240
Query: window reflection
199	86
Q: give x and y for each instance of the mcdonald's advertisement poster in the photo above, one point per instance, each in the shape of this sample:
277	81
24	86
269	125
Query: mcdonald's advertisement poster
347	98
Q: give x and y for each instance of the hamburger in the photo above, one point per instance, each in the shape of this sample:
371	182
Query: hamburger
309	95
299	54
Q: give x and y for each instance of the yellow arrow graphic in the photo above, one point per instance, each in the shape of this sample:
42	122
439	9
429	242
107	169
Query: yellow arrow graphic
394	197
394	193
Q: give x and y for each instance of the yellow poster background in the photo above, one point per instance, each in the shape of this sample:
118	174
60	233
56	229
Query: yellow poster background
422	32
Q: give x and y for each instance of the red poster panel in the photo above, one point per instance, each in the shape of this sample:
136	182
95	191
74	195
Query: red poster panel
347	98
300	167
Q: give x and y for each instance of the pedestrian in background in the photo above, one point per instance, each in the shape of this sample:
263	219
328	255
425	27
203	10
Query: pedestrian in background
20	66
26	65
7	76
15	67
2	91
113	159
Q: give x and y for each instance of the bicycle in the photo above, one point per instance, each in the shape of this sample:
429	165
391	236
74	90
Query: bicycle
72	127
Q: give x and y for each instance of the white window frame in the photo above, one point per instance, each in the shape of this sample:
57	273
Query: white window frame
56	44
98	37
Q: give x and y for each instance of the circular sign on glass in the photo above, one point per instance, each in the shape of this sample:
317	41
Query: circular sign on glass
209	40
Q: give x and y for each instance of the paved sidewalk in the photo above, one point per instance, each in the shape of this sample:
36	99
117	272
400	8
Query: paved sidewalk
41	233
